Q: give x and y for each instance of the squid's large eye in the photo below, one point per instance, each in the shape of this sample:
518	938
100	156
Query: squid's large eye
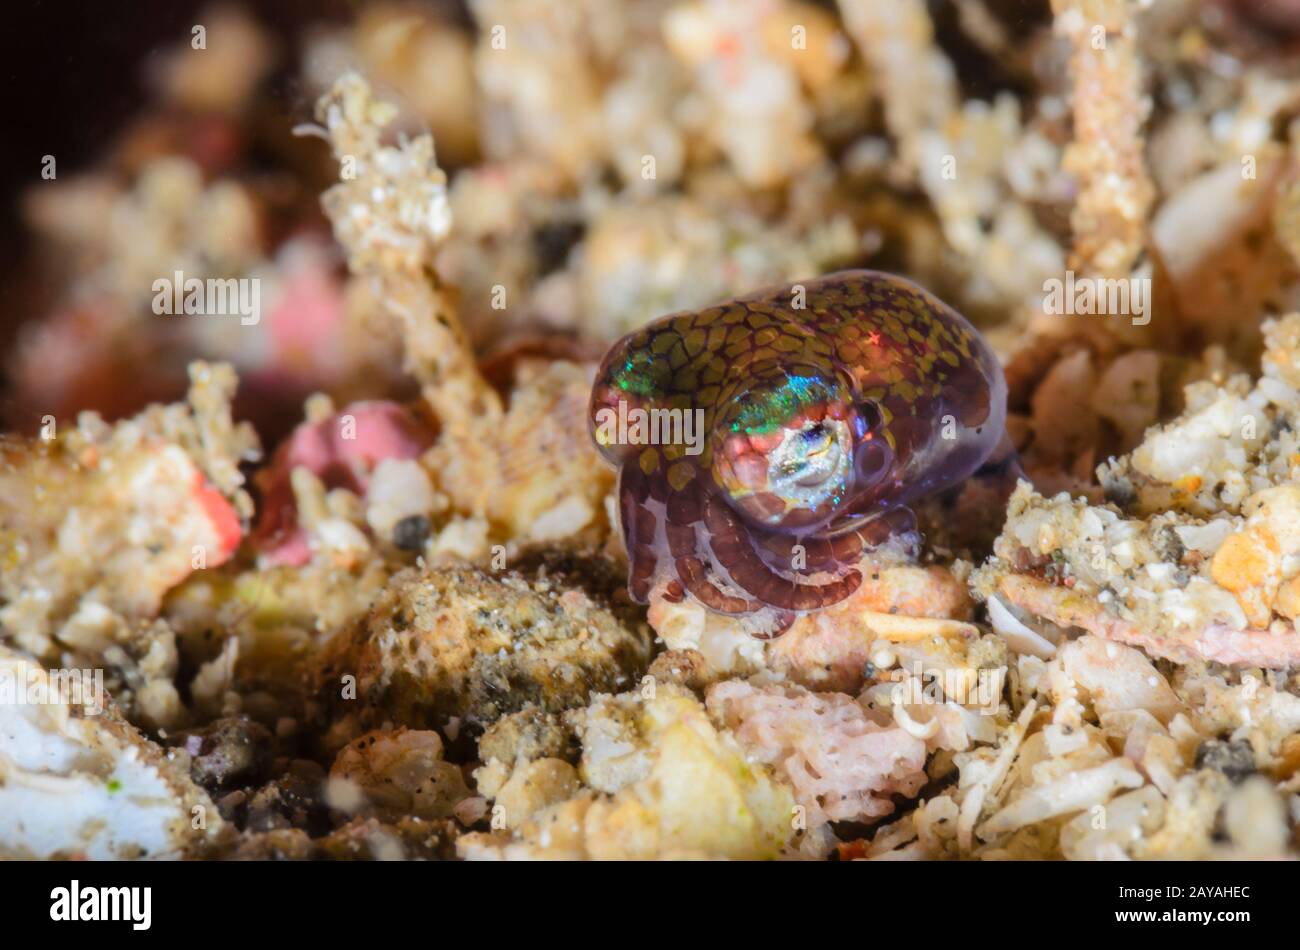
793	474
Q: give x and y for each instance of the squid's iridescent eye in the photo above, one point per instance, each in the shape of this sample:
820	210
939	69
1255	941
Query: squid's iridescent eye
793	473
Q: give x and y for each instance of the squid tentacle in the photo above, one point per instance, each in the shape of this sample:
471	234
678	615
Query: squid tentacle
683	544
820	553
839	547
729	542
640	528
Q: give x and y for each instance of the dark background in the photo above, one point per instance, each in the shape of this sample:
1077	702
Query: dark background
71	75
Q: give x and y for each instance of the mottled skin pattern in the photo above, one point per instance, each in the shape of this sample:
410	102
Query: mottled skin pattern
826	407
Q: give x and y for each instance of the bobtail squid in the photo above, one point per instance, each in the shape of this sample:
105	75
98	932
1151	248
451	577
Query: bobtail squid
764	443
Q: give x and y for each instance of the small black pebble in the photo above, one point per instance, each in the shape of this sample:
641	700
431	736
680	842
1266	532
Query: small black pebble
1236	760
1119	492
552	242
411	532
